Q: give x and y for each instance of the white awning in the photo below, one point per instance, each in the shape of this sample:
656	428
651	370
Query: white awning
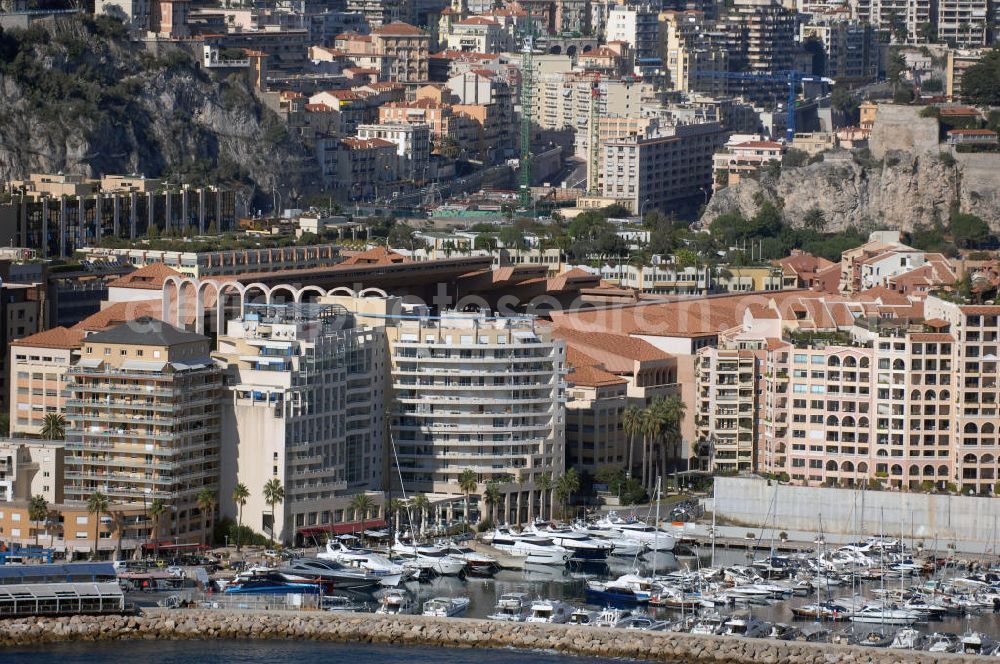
90	363
142	365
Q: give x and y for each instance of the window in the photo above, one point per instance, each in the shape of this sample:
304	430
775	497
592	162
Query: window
82	520
15	516
800	359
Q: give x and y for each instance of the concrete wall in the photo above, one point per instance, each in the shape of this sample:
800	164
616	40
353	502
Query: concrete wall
941	518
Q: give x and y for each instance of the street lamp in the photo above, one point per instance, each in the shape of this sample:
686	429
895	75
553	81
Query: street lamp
642	206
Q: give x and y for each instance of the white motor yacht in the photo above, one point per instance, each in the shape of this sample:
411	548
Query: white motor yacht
396	602
535	549
549	611
611	617
746	626
511	607
434	558
583	617
390	574
446	607
884	615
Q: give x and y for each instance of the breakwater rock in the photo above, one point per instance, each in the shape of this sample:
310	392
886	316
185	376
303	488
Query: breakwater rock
447	632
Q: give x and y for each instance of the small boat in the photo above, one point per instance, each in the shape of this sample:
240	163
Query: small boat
941	642
907	639
396	602
341	604
710	623
976	643
446	607
626	589
511	607
784	632
832	611
611	617
643	622
549	611
746	626
873	638
583	617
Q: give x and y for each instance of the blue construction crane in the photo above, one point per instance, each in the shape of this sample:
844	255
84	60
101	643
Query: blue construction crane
792	78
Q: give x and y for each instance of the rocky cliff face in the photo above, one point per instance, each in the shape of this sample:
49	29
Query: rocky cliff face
76	97
901	191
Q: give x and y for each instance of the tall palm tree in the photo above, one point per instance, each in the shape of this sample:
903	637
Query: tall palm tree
544	487
567	484
240	496
156	510
362	504
274	493
672	411
422	505
206	503
38	511
652	427
97	504
632	423
492	497
467	483
54	427
395	508
118	523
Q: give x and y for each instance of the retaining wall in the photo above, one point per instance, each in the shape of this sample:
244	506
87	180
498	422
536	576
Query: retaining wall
448	632
936	518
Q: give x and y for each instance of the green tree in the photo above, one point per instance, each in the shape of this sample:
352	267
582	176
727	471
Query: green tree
903	95
814	220
274	493
362	504
97	504
512	237
492	497
206	504
422	505
932	85
38	511
672	412
467	483
632	425
567	484
685	258
487	243
156	511
895	68
241	494
54	426
652	427
981	81
842	100
969	231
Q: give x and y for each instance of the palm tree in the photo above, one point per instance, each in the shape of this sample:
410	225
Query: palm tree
206	503
156	510
118	522
240	496
274	493
422	505
544	487
396	506
38	511
632	423
566	486
467	483
97	504
362	504
492	498
672	411
652	426
54	427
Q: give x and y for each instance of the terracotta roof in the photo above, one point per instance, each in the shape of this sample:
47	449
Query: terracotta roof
615	344
931	336
366	143
761	312
560	282
758	144
477	20
981	310
149	277
973	132
119	313
376	256
318	108
958	110
57	337
398	28
590	376
936	322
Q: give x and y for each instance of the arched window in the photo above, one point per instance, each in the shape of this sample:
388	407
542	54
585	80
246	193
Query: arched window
915	395
942	471
848	421
834	361
930	394
831	421
897	469
970	427
969	458
847	467
849	361
862	468
929	470
898	365
987	428
914	471
831	465
865	363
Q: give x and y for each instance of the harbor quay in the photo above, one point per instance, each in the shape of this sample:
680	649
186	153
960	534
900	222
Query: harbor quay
174	624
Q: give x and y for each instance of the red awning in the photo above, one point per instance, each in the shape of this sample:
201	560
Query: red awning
170	546
340	528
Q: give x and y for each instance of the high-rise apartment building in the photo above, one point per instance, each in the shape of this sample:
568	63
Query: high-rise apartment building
143	413
761	36
303	404
638	26
903	21
963	23
480	393
38	367
851	48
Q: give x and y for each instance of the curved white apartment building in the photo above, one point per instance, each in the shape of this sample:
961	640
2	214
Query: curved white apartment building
480	393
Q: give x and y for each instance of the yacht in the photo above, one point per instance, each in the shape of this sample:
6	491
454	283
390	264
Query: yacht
434	558
475	562
330	574
511	607
583	617
396	602
975	643
883	615
446	607
390	574
581	546
643	622
269	583
549	611
942	642
747	626
534	549
907	639
628	588
654	538
626	548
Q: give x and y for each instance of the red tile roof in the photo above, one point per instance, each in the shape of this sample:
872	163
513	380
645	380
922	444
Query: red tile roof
57	337
376	256
150	277
398	29
615	344
120	313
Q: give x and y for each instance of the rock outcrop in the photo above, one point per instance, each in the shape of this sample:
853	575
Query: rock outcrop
449	632
77	97
903	190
